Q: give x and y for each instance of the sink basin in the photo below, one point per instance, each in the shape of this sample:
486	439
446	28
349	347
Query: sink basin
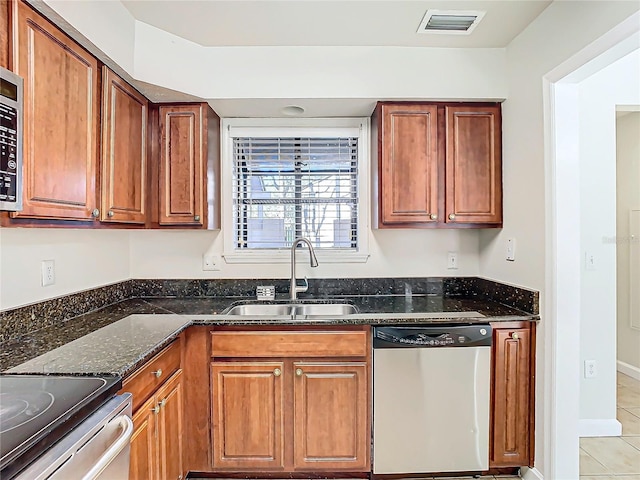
298	309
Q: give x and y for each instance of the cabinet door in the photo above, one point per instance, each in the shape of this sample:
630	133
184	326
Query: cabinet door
511	397
182	165
144	452
124	151
247	415
408	164
4	33
473	165
330	416
61	111
170	431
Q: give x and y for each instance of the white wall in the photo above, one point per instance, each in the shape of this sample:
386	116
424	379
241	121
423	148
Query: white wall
618	84
83	259
560	32
628	197
317	72
411	253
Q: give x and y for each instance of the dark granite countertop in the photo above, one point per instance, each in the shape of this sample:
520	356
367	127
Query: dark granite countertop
119	338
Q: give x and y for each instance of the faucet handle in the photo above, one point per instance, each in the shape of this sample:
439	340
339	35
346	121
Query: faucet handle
305	287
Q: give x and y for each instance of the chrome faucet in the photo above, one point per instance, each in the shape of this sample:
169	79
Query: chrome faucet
294	288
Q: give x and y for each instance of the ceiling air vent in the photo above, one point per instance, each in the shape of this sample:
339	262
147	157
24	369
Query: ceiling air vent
450	22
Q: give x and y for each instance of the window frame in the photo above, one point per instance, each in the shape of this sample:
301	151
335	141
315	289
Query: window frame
298	127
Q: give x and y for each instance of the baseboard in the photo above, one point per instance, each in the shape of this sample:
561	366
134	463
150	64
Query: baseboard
627	369
531	474
599	427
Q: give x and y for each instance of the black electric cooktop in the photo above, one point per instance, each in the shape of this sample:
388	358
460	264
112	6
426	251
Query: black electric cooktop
38	410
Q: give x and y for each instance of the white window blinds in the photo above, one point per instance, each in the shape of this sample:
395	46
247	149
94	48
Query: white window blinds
284	188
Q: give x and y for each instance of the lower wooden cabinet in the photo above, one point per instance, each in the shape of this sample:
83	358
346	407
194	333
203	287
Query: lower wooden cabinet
158	417
294	409
156	445
512	396
329	416
248	415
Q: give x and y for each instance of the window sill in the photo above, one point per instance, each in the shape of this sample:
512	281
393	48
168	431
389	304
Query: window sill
285	257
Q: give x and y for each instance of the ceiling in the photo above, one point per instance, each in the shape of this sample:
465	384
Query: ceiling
331	22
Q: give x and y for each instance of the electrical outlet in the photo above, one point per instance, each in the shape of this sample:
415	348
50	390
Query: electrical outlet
452	261
511	249
211	262
590	370
48	272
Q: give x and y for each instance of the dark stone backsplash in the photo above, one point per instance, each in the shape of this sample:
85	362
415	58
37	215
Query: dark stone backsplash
18	322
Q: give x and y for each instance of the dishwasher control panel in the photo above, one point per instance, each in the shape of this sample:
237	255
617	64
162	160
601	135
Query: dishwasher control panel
432	336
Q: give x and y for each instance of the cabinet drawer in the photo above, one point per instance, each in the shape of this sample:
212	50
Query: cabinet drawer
287	344
154	373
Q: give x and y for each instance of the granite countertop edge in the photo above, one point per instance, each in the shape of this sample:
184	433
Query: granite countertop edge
68	359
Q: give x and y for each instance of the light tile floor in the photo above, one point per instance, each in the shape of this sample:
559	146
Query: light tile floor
607	458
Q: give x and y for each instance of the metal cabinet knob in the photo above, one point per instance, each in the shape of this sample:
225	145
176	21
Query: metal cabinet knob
162	402
95	213
110	213
196	218
158	373
515	336
277	372
452	216
299	372
156	409
434	216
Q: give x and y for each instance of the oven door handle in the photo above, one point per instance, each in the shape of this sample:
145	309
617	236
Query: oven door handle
114	450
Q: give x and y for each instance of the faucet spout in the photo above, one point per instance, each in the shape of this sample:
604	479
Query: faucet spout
294	288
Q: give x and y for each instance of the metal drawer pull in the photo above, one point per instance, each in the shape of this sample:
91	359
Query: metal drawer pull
515	336
277	372
298	372
158	373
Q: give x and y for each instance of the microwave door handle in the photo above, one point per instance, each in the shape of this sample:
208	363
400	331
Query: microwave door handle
114	450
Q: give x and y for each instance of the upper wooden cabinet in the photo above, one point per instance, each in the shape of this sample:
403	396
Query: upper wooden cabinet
61	113
408	164
512	396
437	165
189	164
4	33
124	151
473	164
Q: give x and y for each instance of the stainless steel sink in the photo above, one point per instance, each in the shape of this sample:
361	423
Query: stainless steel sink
298	309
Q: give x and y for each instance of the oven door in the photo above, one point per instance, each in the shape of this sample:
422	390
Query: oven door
98	448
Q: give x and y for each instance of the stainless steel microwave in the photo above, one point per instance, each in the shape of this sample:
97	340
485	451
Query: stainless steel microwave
11	128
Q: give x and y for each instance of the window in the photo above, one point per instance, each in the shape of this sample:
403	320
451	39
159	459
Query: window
293	182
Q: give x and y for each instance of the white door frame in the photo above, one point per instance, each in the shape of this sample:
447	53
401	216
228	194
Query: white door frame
562	239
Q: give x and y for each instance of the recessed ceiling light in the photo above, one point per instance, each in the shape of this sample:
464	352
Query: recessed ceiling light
292	110
450	22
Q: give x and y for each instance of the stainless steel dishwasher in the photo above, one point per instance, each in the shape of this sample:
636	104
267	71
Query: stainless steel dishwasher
431	389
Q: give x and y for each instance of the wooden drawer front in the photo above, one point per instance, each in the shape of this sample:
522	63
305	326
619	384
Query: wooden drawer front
145	381
287	344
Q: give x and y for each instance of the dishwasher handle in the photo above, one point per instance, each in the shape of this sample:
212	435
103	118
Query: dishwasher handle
114	450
